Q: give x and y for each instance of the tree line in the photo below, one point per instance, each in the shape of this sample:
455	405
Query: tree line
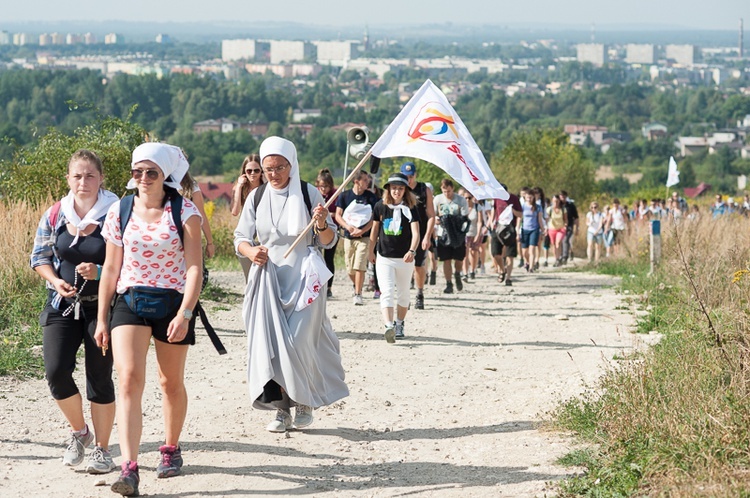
34	101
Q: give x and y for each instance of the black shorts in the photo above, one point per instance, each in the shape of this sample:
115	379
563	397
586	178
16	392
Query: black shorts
123	315
446	253
497	247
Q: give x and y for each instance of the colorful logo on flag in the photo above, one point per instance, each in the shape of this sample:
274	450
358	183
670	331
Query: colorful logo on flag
434	123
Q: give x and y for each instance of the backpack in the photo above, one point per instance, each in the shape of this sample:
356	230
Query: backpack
175	200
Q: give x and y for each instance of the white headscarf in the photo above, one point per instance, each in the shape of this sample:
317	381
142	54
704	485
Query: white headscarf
170	159
297	217
104	200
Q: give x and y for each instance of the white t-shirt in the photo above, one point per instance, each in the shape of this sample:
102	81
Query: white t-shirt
618	219
595	222
154	255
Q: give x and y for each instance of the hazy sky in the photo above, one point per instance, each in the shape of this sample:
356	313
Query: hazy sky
700	14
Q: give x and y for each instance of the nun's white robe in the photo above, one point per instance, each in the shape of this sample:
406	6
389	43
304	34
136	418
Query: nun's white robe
296	349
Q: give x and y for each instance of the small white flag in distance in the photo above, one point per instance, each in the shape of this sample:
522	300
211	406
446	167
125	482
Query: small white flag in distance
429	128
673	177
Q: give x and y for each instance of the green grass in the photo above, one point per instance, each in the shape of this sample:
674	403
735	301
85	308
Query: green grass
21	335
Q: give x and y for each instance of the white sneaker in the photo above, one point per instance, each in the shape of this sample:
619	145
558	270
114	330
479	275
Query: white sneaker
303	416
281	423
100	462
390	334
357	300
76	450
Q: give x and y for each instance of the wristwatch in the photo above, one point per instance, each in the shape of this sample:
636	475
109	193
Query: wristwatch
187	314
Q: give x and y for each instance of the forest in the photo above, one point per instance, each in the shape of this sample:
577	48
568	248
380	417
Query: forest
33	102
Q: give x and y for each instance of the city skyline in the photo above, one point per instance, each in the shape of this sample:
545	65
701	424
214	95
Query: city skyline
636	14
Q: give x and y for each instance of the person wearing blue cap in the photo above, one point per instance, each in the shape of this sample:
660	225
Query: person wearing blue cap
426	226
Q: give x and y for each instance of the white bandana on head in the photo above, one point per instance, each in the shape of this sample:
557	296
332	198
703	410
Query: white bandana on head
104	200
170	159
297	217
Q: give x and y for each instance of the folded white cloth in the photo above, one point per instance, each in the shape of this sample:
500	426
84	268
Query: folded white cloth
315	274
104	200
357	215
397	212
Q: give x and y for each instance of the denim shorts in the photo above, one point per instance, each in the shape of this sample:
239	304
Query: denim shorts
529	238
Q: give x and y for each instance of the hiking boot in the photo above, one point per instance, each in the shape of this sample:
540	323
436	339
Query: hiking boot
76	450
448	288
459	284
171	461
100	462
390	334
303	416
399	329
357	300
281	423
127	483
508	282
433	277
419	302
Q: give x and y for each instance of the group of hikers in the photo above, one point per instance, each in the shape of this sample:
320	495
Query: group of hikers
125	273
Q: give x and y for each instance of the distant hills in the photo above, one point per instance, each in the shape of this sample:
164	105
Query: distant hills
215	31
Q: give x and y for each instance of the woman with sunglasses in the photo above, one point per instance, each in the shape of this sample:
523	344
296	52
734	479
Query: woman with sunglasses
149	252
68	253
251	177
595	232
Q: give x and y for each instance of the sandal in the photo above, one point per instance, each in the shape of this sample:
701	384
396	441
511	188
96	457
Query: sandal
501	277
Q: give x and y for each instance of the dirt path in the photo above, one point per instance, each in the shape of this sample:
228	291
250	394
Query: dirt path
449	411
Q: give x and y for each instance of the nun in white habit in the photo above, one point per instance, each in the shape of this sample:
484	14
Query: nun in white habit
293	353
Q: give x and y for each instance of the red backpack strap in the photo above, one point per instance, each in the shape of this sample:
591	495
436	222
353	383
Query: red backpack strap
54	213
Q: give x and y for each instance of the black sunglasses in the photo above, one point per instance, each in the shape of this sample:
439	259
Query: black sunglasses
151	174
252	171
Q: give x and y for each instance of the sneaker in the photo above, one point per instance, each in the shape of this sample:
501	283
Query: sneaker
171	461
473	275
281	423
419	302
527	268
127	483
390	334
329	294
357	299
100	462
376	295
76	450
433	277
399	330
520	263
508	282
448	289
465	278
545	263
459	284
303	416
536	266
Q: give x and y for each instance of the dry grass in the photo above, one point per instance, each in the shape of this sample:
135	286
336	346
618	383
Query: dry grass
21	290
677	422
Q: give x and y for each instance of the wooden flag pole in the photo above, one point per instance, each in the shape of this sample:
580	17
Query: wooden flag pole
348	179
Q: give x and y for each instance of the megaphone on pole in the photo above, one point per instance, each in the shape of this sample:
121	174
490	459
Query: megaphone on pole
358	140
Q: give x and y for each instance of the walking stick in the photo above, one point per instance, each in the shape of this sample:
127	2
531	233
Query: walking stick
348	179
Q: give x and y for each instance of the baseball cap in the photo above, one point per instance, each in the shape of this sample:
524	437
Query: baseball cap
408	169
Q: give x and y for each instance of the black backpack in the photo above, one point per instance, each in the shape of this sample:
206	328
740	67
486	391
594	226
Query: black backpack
175	200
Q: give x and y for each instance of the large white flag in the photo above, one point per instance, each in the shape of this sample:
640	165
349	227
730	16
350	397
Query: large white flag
673	177
428	128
